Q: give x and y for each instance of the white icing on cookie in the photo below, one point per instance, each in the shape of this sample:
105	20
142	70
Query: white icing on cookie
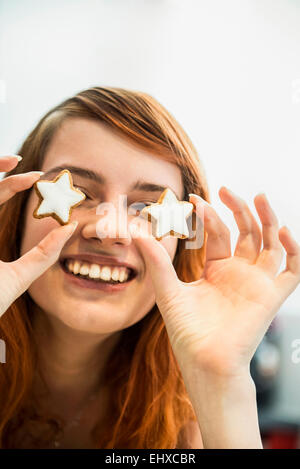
170	214
58	197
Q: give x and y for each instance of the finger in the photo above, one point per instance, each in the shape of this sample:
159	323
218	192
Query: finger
218	239
35	262
17	183
250	237
288	280
9	162
157	260
199	228
271	255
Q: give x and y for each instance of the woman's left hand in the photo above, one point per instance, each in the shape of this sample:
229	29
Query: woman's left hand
218	321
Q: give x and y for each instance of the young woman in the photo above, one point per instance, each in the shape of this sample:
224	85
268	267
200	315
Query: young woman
163	361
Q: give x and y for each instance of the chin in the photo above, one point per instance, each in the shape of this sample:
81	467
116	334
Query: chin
85	316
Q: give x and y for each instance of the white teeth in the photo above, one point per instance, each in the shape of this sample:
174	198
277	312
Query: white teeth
126	274
122	274
76	267
84	269
95	271
105	273
115	274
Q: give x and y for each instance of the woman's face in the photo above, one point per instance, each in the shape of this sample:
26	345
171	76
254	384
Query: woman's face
92	145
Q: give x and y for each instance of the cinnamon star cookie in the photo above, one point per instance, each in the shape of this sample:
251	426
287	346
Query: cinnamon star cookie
57	198
168	215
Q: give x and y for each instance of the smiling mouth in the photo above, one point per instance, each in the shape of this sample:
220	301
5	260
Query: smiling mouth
132	275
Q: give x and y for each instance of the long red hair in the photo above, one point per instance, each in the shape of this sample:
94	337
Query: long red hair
149	407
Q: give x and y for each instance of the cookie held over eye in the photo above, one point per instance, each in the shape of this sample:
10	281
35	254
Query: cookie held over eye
168	216
57	198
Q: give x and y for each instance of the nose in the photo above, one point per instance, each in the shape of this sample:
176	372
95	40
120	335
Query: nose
110	224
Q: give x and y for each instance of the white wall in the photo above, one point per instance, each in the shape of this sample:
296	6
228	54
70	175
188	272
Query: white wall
229	71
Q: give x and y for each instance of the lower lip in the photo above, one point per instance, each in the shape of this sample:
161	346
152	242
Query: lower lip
93	285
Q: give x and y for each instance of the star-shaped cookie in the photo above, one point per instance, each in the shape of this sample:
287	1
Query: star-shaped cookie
168	215
57	198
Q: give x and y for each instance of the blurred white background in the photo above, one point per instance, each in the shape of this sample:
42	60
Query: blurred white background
229	71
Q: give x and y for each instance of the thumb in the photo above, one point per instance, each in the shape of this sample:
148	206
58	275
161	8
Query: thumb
36	261
158	263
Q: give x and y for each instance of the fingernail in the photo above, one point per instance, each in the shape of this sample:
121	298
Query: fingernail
19	158
132	229
232	193
73	226
37	172
200	198
74	223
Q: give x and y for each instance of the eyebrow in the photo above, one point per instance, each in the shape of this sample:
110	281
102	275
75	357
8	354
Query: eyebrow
100	179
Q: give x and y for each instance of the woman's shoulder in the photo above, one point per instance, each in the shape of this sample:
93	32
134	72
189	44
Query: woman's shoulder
190	437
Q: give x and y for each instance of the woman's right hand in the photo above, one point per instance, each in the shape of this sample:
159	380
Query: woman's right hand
17	276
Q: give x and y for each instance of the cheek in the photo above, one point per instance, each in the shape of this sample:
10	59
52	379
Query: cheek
34	230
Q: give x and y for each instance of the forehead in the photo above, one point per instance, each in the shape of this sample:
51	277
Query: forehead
93	145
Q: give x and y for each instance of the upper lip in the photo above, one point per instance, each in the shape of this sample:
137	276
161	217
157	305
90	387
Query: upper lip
98	259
